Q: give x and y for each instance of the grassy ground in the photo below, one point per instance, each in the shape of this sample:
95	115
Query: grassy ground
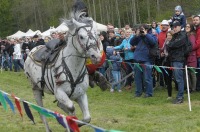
119	111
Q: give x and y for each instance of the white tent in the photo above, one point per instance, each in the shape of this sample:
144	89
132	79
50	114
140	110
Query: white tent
18	34
48	32
62	28
29	31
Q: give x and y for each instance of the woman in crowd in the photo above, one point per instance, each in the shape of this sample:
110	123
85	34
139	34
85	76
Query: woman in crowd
166	62
192	58
128	54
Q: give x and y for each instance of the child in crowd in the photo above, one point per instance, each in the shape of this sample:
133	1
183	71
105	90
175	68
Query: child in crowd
179	16
115	58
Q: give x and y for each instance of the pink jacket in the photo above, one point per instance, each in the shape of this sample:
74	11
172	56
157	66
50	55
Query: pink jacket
192	58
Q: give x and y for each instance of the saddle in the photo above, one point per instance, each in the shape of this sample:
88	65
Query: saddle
48	54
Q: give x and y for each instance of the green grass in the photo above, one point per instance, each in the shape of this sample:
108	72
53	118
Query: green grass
118	111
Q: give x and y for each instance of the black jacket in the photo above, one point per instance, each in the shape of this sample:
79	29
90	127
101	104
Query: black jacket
176	47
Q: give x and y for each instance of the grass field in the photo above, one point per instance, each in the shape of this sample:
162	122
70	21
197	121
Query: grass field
118	111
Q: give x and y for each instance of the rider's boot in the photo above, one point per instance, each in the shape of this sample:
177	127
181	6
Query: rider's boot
101	81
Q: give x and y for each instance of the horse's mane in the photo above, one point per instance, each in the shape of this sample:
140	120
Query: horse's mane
80	16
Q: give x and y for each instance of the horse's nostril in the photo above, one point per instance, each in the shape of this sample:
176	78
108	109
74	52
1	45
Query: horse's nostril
92	56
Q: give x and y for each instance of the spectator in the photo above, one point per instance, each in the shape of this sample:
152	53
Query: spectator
111	38
166	62
142	42
196	22
17	56
25	48
105	43
128	55
176	56
115	71
161	41
36	41
192	58
179	16
155	27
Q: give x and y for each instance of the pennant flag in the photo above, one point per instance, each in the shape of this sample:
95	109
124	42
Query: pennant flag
109	63
165	70
17	103
60	119
130	65
113	131
10	103
124	65
42	111
99	130
72	124
2	100
28	111
138	65
157	69
192	70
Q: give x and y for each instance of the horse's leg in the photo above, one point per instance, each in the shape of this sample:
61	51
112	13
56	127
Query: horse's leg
83	103
64	102
38	97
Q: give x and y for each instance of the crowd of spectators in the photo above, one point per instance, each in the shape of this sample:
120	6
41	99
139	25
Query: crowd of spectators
172	37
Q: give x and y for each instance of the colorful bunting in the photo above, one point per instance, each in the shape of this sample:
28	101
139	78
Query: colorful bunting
66	122
28	111
17	103
10	103
72	124
2	100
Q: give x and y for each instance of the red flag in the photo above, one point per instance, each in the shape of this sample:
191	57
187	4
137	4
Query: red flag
72	124
17	103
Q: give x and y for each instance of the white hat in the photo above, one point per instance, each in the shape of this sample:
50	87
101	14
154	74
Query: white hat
164	22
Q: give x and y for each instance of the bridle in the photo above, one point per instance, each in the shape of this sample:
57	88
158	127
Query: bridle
90	36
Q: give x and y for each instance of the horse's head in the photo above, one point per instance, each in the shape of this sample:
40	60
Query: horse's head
84	38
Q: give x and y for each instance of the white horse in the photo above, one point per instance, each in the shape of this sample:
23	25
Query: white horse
67	78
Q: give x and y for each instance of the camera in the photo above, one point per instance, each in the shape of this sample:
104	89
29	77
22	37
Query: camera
141	30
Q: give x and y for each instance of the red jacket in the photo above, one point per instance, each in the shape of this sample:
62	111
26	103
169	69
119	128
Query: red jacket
161	38
192	58
197	42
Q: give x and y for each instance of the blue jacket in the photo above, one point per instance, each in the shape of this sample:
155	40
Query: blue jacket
115	62
141	53
181	18
128	54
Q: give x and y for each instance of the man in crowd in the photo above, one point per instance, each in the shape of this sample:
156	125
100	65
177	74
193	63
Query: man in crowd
176	55
196	22
142	42
161	41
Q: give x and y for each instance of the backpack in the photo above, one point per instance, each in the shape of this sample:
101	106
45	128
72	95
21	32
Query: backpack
188	47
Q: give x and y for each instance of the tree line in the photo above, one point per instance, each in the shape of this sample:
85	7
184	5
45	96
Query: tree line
41	14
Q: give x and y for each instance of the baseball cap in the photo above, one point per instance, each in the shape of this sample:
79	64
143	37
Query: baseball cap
164	22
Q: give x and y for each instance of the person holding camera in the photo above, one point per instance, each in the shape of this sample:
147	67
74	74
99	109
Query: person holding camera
142	43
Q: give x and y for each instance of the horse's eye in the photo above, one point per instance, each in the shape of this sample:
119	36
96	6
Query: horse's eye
81	37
